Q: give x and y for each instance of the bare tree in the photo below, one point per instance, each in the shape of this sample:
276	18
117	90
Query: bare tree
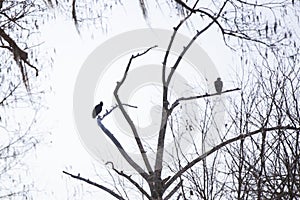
21	95
267	164
258	154
264	165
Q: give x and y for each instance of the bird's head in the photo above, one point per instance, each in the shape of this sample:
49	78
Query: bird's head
218	78
101	103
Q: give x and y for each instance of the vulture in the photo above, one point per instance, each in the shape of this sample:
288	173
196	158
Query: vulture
97	109
218	85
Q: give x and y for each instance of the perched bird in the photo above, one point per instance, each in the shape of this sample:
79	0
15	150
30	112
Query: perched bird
191	192
97	109
218	85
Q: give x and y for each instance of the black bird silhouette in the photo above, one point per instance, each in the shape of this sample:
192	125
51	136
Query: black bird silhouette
218	85
97	109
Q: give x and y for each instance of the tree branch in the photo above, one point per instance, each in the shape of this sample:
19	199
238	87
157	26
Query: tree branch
113	108
174	190
121	173
19	55
127	117
10	93
214	20
219	146
121	150
95	184
166	112
176	103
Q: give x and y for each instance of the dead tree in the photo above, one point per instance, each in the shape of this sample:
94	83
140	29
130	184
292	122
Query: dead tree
256	126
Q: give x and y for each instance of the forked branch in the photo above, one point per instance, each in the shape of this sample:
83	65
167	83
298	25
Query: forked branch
125	114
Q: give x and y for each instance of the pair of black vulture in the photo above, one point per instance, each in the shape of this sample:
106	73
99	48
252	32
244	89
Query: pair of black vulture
98	108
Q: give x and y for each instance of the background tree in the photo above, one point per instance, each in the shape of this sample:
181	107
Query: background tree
264	165
22	76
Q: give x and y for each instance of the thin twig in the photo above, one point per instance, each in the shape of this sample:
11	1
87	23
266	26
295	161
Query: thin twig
113	108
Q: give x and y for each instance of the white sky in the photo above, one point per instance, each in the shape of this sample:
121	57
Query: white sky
66	151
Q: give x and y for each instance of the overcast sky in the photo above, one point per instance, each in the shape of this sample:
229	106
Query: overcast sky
66	151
